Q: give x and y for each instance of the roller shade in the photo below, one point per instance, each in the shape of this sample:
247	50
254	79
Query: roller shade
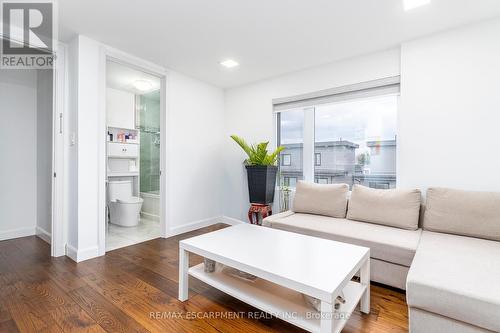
385	86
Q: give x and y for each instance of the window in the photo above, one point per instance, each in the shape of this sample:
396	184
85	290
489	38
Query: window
321	180
358	140
290	132
286	159
317	159
347	137
289	181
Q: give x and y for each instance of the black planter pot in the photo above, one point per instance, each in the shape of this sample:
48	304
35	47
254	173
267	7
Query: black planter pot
261	183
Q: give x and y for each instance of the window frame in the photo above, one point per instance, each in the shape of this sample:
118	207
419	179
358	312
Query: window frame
309	154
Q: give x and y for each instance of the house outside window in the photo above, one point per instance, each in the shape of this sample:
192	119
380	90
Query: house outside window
291	125
349	141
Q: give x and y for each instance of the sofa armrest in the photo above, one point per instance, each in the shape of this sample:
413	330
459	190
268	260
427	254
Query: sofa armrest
268	221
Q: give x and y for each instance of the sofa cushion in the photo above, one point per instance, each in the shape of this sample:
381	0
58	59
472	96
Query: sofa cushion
395	207
425	322
386	243
466	213
321	199
457	277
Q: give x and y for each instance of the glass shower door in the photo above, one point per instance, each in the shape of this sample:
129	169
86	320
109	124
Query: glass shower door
149	126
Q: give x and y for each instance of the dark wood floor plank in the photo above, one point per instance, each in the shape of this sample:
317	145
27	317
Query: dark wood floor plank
147	261
28	316
158	281
161	282
72	318
226	323
13	256
5	267
222	299
141	308
34	247
8	327
134	289
110	317
4	311
45	300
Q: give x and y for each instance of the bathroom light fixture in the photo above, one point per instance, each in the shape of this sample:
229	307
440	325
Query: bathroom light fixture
229	63
143	85
412	4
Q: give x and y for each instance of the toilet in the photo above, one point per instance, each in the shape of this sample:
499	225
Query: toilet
124	209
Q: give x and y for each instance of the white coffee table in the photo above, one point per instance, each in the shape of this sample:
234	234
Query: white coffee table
287	265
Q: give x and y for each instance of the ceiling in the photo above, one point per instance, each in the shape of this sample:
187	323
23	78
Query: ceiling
123	78
267	37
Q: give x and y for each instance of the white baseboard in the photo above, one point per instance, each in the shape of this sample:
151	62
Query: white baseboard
231	220
92	252
202	224
193	226
44	234
151	217
71	252
83	254
16	233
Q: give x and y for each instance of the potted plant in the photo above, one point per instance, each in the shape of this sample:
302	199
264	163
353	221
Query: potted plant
261	170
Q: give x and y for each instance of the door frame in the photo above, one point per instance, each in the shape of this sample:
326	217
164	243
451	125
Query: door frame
59	164
109	53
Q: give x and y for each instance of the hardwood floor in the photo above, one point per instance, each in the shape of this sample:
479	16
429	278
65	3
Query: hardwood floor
134	289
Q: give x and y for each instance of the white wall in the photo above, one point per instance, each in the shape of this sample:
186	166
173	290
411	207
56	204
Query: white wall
195	165
450	110
248	111
71	149
44	119
448	118
83	156
18	150
449	92
194	129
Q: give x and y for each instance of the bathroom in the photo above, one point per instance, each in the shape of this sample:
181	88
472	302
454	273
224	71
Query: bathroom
133	155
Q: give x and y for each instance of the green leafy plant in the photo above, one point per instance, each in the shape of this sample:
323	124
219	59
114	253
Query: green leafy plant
257	153
364	159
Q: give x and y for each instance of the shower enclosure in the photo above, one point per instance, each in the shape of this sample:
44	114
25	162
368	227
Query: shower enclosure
148	116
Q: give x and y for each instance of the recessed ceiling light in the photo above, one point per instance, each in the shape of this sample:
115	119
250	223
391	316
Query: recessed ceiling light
229	63
412	4
143	85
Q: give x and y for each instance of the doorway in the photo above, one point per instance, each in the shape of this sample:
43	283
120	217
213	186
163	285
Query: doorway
31	135
133	154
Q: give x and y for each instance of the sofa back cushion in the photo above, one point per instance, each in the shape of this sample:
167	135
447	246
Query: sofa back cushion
321	199
466	213
395	207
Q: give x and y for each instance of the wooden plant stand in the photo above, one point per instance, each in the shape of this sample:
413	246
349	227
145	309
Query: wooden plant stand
258	209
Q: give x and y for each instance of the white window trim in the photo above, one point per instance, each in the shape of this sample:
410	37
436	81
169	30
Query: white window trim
384	86
380	87
308	148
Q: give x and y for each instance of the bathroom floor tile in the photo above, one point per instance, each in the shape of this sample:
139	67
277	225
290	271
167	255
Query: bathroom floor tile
117	237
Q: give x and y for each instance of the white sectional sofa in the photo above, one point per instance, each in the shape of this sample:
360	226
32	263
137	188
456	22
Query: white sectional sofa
450	266
384	221
454	280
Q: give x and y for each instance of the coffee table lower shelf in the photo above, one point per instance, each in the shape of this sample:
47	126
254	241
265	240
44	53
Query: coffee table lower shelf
281	302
